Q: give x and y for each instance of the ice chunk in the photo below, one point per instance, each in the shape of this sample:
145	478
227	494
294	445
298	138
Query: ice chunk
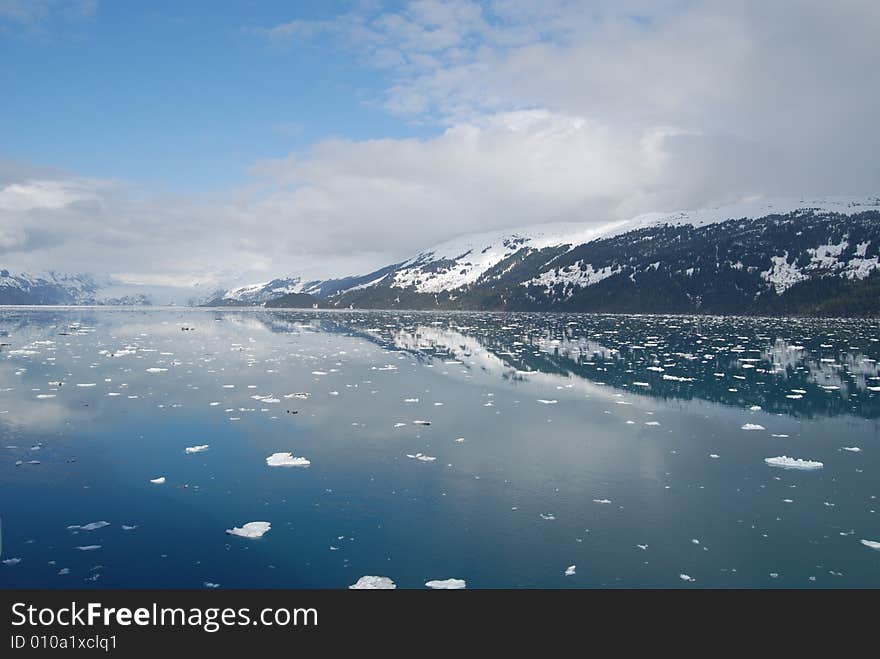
156	369
250	530
286	460
872	544
752	426
373	583
91	526
158	481
210	584
197	449
604	501
852	449
16	561
446	584
421	422
421	456
793	463
89	547
686	577
570	570
544	401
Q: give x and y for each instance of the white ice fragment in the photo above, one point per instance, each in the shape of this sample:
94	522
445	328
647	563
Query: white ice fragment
871	544
197	449
250	530
373	583
793	463
686	577
752	426
91	526
602	501
156	369
89	547
852	449
11	561
570	570
158	481
544	401
286	460
446	584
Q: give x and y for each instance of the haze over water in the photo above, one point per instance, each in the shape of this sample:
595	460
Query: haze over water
500	449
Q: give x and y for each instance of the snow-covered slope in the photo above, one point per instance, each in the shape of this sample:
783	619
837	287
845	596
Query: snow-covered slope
739	258
48	288
462	261
258	294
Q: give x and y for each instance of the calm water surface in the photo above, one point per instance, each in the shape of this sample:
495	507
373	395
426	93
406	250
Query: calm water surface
630	447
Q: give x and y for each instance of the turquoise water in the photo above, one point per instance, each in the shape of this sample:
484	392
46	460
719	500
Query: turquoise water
614	444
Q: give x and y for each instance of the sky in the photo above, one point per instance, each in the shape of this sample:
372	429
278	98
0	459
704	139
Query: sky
216	143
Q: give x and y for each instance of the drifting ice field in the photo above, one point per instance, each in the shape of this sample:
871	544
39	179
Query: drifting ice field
204	448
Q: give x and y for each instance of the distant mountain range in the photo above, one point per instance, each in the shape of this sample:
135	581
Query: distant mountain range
768	257
776	257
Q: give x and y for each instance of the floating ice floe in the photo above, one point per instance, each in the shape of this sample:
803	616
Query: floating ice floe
211	584
686	577
250	530
126	527
286	460
158	481
752	426
544	401
871	544
446	584
11	561
156	369
421	422
89	547
373	583
197	449
652	423
755	408
793	463
548	516
421	456
603	501
570	570
852	449
91	526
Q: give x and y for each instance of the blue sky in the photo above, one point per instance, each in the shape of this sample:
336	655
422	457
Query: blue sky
220	143
180	94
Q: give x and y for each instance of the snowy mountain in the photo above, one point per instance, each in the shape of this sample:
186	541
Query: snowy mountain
798	256
257	294
49	288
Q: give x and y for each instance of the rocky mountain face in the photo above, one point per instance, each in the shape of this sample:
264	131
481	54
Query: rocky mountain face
51	288
775	258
